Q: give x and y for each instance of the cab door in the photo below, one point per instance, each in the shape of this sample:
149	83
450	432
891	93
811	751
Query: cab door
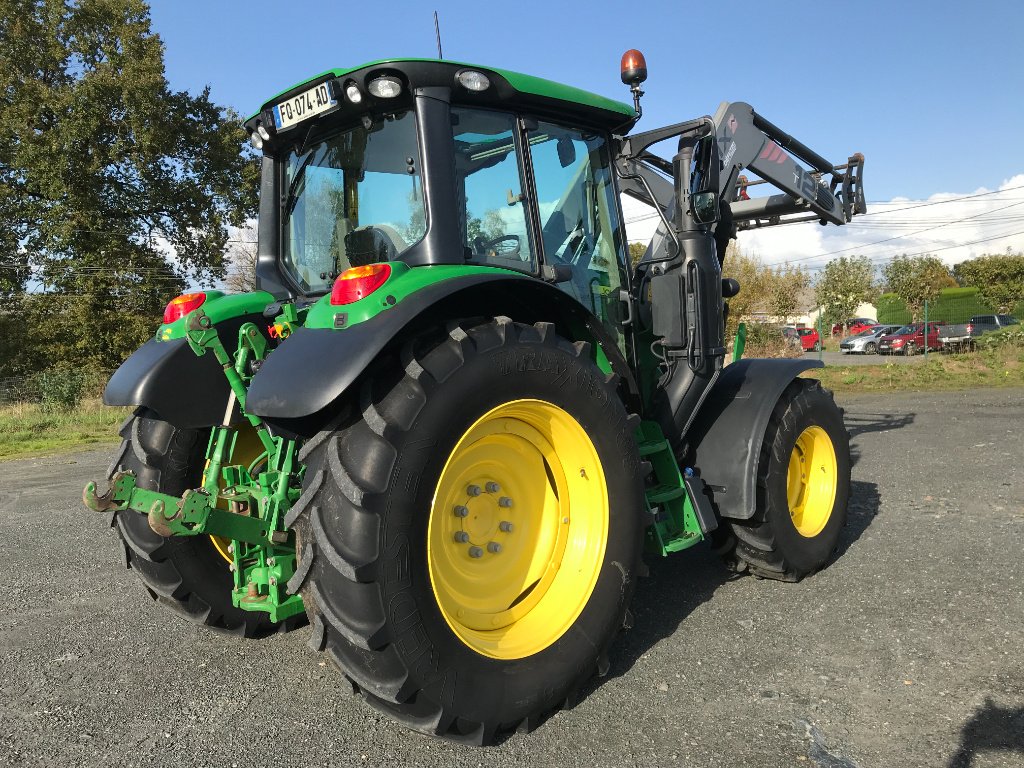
578	217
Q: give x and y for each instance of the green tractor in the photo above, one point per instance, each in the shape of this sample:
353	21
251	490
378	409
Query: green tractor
453	418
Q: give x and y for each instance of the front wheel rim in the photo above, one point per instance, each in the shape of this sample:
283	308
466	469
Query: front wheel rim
518	529
811	481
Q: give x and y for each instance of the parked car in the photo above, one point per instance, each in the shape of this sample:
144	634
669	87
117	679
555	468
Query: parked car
961	336
854	325
809	339
866	342
910	339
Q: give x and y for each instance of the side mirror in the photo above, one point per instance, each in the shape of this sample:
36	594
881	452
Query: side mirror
566	151
704	181
704	207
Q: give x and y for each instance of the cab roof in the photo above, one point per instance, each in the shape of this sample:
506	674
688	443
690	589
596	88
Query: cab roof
509	90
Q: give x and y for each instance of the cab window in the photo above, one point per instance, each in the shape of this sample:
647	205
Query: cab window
489	177
579	220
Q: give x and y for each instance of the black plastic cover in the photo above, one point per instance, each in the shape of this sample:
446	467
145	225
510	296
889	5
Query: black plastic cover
167	376
726	436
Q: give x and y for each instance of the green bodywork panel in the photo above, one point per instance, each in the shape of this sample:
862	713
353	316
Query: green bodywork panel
526	84
402	283
219	306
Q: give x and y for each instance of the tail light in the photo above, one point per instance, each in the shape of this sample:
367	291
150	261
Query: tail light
970	328
182	305
359	282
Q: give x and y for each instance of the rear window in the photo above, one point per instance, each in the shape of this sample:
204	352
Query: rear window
991	319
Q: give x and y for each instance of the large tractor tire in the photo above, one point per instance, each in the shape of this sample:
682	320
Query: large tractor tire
803	485
470	529
187	574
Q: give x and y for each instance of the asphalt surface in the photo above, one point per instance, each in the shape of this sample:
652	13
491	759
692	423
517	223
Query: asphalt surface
906	651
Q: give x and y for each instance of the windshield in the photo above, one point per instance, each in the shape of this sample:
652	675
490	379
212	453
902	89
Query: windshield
354	198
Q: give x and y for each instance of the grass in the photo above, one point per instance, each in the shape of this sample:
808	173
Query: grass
995	367
28	430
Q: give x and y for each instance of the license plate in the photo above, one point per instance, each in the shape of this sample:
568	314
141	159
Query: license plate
307	104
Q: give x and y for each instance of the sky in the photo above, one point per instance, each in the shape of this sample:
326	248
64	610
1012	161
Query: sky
929	91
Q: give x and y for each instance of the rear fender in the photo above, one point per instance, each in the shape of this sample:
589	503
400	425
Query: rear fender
166	376
298	386
724	442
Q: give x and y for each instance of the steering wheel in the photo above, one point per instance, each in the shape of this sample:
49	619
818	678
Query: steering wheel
503	246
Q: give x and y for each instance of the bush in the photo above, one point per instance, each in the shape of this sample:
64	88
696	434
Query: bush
60	390
1010	336
767	341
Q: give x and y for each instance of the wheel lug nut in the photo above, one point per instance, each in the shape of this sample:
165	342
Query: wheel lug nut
461	537
461	511
505	526
473	490
493	547
493	487
476	552
504	501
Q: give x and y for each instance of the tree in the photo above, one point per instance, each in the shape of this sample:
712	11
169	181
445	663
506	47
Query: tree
755	281
843	285
788	283
999	279
636	252
242	253
917	279
117	189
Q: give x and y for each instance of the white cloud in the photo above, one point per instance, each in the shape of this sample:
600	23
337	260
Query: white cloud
951	225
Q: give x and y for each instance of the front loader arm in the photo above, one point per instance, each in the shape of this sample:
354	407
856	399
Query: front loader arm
747	140
809	184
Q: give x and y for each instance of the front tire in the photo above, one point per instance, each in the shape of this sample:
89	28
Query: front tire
184	573
870	348
470	531
803	485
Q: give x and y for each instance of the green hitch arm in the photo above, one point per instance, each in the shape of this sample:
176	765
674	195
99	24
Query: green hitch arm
203	337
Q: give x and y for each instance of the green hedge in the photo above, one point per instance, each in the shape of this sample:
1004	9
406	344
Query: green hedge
892	309
954	305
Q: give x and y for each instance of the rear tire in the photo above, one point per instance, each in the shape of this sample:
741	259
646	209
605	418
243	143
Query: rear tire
186	574
796	526
408	607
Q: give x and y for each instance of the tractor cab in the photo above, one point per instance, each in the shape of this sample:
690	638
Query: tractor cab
360	167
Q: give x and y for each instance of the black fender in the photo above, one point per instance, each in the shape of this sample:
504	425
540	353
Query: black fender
314	367
725	438
166	376
185	389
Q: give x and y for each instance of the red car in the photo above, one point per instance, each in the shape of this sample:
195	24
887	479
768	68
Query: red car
909	340
809	339
855	326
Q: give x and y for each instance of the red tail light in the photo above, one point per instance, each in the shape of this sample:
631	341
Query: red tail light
182	305
359	282
970	328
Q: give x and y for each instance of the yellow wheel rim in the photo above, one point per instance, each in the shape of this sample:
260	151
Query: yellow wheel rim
517	531
811	481
247	449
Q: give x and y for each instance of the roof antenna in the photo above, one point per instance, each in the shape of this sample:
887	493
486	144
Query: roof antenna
437	33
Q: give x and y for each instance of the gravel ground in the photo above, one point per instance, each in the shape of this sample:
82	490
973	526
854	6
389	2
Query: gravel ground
906	651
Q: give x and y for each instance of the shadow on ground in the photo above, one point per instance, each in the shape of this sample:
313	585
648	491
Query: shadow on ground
990	729
858	424
678	584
